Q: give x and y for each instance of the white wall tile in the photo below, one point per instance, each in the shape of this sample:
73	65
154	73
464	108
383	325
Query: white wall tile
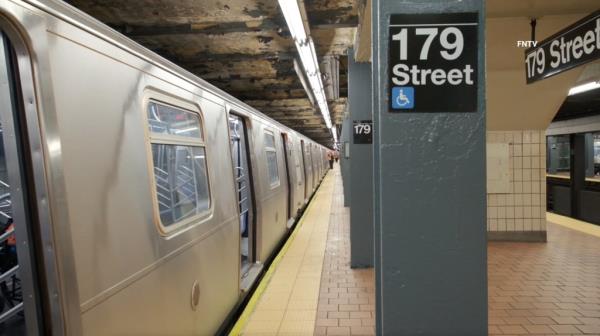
510	224
518	149
510	211
493	225
527	224
523	208
492	212
501	224
519	224
518	212
501	212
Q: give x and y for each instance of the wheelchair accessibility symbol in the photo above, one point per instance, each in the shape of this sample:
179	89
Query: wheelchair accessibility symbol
403	97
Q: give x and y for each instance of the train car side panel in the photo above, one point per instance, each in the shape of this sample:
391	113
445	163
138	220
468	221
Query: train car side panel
127	271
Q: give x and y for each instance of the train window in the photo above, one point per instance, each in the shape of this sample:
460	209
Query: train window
164	119
558	161
179	164
271	153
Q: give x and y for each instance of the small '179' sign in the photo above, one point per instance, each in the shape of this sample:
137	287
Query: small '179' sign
363	131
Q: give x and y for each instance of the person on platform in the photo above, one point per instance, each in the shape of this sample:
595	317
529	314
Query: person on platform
330	158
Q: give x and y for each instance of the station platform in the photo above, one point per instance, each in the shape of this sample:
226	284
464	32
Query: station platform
548	288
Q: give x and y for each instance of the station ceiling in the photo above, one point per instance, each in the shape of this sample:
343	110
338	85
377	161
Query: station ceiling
243	47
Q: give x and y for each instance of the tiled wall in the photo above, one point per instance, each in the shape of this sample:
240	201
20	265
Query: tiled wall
523	209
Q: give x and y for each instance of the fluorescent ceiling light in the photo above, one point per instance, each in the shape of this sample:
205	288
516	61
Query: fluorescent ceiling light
307	54
584	87
291	12
304	81
335	138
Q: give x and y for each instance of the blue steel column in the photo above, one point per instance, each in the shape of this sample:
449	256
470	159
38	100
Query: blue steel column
429	200
361	190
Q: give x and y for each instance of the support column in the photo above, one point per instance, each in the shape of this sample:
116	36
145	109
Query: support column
345	156
578	168
429	198
361	190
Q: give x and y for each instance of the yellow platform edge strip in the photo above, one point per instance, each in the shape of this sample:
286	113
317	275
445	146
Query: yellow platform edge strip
574	224
245	316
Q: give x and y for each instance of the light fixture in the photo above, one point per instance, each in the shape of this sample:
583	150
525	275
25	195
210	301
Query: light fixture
293	18
584	87
307	54
335	138
304	81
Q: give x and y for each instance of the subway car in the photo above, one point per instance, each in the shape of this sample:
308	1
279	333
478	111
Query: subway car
136	198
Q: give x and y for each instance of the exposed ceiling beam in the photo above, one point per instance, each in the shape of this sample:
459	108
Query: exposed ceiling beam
215	28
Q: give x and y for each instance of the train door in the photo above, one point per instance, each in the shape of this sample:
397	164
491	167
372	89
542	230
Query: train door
299	187
20	308
287	149
305	169
315	166
244	188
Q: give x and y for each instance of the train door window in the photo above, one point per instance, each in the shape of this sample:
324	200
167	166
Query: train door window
19	297
271	154
179	165
243	182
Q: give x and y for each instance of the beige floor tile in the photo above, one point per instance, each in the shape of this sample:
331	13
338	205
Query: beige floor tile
297	326
254	326
300	315
292	293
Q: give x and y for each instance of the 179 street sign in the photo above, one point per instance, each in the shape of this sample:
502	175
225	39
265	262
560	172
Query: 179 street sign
433	62
573	46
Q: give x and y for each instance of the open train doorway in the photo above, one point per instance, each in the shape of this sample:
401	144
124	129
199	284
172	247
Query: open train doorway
20	303
287	149
245	195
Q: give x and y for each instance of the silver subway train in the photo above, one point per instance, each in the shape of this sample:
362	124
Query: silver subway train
136	198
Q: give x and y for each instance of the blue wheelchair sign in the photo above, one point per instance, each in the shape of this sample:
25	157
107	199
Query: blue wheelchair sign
403	97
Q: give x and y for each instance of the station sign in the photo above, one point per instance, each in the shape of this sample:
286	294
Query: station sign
573	46
433	62
363	131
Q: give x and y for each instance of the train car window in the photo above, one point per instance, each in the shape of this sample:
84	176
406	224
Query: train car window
179	164
558	160
271	153
164	119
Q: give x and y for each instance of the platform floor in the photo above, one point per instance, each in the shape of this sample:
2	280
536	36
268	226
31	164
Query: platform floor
534	288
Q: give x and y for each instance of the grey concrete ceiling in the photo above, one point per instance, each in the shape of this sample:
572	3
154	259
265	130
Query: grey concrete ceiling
241	46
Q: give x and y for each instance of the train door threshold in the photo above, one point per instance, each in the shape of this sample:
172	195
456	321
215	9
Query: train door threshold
250	276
